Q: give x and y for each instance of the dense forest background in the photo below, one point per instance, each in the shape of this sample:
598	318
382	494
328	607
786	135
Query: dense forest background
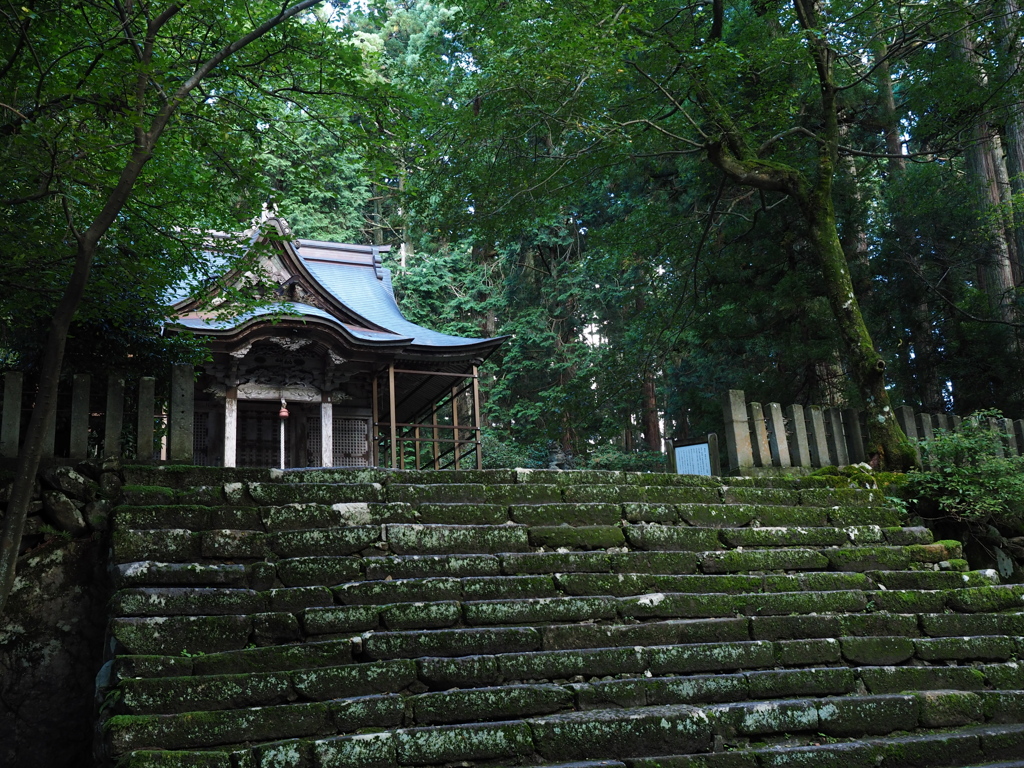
641	195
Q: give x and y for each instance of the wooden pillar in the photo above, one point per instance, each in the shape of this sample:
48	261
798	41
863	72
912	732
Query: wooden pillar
114	417
838	447
144	427
326	431
854	436
10	431
392	416
78	447
436	445
416	443
455	424
818	441
375	422
761	450
737	431
231	427
182	414
777	443
799	448
476	420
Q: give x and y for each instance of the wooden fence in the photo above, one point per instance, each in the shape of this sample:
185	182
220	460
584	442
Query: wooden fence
759	437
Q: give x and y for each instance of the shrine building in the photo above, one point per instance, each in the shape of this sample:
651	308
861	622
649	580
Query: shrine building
331	374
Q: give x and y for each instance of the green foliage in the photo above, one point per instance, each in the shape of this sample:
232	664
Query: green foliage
971	477
613	458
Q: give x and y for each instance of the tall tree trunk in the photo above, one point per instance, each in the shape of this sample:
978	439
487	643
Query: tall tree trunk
926	355
1009	23
652	425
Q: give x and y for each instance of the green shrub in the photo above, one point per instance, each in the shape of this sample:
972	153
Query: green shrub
968	479
614	458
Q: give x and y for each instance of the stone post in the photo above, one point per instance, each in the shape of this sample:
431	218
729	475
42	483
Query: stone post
182	414
114	420
716	461
837	447
79	444
854	436
10	431
799	449
924	429
144	429
997	436
761	449
737	431
819	440
907	422
1006	427
1018	431
777	442
940	421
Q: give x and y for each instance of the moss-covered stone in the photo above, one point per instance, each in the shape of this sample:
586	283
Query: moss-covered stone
656	605
816	582
869	558
451	642
808	517
781	683
691	689
573	636
713	515
172	545
124	733
1009	676
185	601
148	495
178	574
230	544
801	653
169	636
676	729
877	651
466	671
650	513
885	517
533	493
942	709
987	599
426	615
466	493
907	601
191	517
420	566
490	741
187	693
280	658
342	618
151	666
764	718
458	514
841	497
784	537
933	579
867	715
784	603
763	560
936	552
896	679
772	496
175	759
369	750
456	539
560	665
654	562
310	571
367	679
880	624
538	611
793	627
711	657
899	536
673	538
508	587
490	703
398	591
583	537
984	648
1003	706
321	542
358	713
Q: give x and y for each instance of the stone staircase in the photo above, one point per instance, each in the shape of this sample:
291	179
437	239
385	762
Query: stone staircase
373	618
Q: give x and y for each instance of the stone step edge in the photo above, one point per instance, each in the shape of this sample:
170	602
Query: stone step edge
610	733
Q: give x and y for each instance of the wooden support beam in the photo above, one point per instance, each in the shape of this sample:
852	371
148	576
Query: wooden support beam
476	420
231	427
393	416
